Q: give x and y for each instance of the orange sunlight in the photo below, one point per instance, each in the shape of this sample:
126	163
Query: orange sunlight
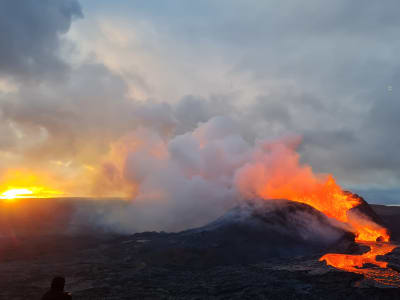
27	184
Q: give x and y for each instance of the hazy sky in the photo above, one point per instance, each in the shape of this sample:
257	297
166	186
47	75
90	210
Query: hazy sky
77	77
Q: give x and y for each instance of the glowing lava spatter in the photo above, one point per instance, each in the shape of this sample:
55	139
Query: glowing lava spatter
338	204
275	172
367	233
374	236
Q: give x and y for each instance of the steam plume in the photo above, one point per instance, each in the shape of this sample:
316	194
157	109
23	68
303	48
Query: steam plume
190	179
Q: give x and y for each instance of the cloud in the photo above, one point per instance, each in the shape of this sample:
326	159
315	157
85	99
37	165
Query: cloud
317	70
30	39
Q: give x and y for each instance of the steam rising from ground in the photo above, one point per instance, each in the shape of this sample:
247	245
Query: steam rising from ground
190	179
172	182
180	182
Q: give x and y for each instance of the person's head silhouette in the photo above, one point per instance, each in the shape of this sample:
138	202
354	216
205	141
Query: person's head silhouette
56	291
58	283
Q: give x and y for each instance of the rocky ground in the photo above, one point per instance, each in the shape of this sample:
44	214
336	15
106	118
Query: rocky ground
157	266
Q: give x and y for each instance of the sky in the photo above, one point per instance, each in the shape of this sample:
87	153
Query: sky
94	95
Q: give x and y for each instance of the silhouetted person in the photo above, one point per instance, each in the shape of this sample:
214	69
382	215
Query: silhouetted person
56	291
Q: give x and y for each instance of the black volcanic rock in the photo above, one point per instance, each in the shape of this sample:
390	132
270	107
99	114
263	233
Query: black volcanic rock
391	217
157	265
249	233
365	209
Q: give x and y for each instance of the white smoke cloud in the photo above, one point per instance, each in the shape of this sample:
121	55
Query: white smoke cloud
188	180
183	181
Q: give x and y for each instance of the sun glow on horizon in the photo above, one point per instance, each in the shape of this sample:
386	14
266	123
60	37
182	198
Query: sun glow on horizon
16	193
25	183
30	192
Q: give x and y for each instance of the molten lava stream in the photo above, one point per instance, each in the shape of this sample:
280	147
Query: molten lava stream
355	263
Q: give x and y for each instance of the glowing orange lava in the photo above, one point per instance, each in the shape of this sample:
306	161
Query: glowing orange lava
378	270
325	195
276	173
328	197
336	204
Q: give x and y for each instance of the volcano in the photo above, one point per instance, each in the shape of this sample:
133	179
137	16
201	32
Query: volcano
249	233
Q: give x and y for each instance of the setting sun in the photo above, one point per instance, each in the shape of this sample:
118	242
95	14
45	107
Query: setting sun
16	193
30	192
22	183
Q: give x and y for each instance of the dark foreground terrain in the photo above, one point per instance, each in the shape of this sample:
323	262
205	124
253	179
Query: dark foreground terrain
217	261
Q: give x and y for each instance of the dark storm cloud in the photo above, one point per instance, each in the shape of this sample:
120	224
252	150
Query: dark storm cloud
30	33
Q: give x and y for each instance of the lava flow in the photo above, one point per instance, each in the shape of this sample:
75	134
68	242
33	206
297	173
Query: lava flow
367	233
378	270
276	173
338	204
371	235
